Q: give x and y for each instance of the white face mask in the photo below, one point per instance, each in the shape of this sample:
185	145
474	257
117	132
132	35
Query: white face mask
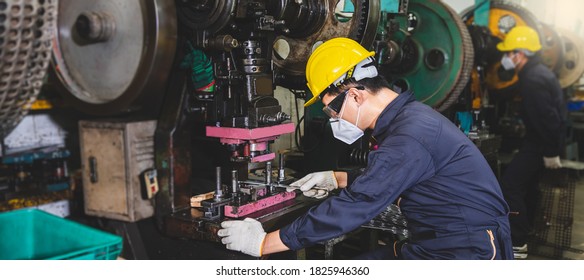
507	62
344	130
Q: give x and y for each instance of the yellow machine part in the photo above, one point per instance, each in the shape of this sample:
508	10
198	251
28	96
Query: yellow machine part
492	78
495	15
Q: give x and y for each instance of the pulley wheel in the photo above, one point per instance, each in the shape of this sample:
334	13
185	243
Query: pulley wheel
503	16
211	16
572	67
437	54
291	54
26	31
113	57
552	53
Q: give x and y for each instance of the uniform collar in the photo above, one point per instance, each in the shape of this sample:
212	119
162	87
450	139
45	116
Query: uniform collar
532	62
390	112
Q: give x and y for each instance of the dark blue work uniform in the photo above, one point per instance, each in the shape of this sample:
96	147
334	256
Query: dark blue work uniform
443	185
543	112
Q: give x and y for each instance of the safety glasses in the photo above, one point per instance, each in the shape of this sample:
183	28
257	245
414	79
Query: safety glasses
334	107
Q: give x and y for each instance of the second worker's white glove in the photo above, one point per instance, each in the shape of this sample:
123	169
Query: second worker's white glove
246	236
322	180
552	162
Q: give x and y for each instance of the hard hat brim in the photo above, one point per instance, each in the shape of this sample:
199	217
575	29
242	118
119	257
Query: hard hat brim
503	48
311	101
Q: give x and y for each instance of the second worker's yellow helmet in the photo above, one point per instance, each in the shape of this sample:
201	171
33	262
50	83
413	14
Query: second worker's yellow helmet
333	62
520	37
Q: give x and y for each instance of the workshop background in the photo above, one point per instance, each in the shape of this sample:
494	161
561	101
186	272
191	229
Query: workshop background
130	129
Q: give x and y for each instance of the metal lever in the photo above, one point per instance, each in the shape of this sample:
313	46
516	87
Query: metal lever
93	169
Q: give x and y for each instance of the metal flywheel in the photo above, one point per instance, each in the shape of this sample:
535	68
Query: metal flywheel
113	57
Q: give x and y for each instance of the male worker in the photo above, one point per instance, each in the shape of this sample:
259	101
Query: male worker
424	163
544	115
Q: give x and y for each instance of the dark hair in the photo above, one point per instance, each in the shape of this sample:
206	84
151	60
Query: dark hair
374	85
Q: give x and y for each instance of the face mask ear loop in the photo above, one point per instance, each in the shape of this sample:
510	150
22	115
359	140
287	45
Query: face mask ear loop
512	57
343	107
358	114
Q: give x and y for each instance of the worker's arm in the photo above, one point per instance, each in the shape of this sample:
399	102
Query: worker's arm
273	243
370	194
341	179
391	170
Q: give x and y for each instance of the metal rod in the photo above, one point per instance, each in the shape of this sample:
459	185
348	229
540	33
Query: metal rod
218	188
281	173
268	172
234	183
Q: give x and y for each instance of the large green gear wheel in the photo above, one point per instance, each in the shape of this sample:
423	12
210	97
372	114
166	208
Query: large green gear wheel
437	54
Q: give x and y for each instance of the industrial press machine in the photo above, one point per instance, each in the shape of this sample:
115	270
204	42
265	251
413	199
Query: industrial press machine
184	92
178	98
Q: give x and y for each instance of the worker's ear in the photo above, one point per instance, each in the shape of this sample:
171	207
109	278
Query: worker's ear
521	55
357	95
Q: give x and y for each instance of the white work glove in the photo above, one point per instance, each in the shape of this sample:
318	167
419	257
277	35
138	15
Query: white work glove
246	236
325	180
316	185
552	162
316	193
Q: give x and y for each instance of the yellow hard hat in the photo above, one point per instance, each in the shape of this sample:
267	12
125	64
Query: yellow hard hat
334	61
520	37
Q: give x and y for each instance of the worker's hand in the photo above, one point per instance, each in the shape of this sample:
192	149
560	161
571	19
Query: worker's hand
316	193
552	162
321	180
245	236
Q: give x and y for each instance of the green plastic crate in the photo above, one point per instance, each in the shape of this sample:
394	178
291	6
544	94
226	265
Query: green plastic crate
32	234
